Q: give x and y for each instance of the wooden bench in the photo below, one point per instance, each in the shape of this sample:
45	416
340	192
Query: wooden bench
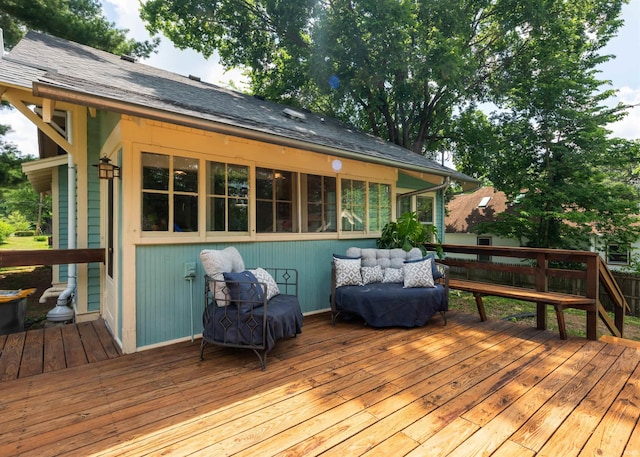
559	301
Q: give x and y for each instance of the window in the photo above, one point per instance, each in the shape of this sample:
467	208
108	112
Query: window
404	206
234	195
379	206
319	197
353	205
276	203
618	254
169	193
484	241
424	209
227	197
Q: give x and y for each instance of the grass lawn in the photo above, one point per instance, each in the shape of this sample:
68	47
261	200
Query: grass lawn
24	242
12	278
517	311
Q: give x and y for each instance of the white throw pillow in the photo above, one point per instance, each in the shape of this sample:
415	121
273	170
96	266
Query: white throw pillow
347	272
264	276
371	274
392	275
215	263
418	274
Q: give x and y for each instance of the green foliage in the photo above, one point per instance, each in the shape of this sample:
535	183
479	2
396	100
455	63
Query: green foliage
81	21
19	222
23	233
406	233
549	149
5	230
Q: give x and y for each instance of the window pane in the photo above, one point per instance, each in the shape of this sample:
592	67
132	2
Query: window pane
155	171
185	213
284	222
264	219
353	205
264	183
238	181
185	174
226	213
217	178
424	209
275	202
155	212
238	215
379	206
321	204
404	206
216	214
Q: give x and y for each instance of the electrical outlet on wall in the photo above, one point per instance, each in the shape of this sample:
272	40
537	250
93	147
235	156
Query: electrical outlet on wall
189	270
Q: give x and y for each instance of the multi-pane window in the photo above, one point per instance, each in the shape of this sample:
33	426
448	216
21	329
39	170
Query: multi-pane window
276	204
320	200
281	201
352	211
618	254
379	206
227	197
169	193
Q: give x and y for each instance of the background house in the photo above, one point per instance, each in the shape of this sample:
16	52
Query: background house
466	211
200	167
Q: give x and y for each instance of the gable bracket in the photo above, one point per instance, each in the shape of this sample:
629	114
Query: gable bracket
48	107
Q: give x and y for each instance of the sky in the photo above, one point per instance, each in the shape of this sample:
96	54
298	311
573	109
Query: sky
623	71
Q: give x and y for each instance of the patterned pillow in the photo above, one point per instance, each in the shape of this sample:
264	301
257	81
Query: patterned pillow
392	275
264	276
371	274
418	274
347	272
435	272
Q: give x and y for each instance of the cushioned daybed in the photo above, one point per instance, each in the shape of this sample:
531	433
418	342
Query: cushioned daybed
388	287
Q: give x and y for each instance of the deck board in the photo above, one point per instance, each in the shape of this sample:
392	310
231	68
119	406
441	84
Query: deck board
467	388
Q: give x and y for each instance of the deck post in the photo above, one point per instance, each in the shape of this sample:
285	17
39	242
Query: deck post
592	291
542	285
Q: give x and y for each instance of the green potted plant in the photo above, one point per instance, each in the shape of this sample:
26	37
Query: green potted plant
407	232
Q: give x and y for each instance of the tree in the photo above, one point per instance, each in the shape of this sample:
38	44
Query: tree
549	149
398	69
81	21
18	200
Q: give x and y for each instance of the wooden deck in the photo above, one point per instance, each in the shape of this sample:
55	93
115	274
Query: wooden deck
465	389
54	348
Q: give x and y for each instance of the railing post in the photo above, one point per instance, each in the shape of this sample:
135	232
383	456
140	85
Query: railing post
592	289
542	285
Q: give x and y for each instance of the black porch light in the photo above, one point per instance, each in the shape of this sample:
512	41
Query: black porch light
107	170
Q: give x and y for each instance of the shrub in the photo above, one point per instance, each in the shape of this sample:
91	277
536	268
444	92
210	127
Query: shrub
5	230
40	238
24	233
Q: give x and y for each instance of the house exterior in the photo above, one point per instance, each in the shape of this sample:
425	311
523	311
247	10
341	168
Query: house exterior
200	167
466	211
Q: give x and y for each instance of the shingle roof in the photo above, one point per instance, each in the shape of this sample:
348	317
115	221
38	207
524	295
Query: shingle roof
83	70
464	212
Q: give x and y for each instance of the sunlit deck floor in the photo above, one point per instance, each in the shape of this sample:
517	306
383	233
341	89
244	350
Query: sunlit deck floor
465	389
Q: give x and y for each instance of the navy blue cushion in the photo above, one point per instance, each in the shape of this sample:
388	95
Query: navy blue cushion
340	256
244	289
434	268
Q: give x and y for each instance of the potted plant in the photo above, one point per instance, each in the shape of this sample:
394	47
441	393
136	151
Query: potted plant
407	232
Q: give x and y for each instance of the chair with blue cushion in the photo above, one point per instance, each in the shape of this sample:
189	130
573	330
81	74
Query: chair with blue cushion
248	309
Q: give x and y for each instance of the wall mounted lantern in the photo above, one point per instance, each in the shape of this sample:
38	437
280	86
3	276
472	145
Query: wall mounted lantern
106	170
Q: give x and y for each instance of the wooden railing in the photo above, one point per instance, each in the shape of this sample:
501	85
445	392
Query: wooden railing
589	269
17	258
